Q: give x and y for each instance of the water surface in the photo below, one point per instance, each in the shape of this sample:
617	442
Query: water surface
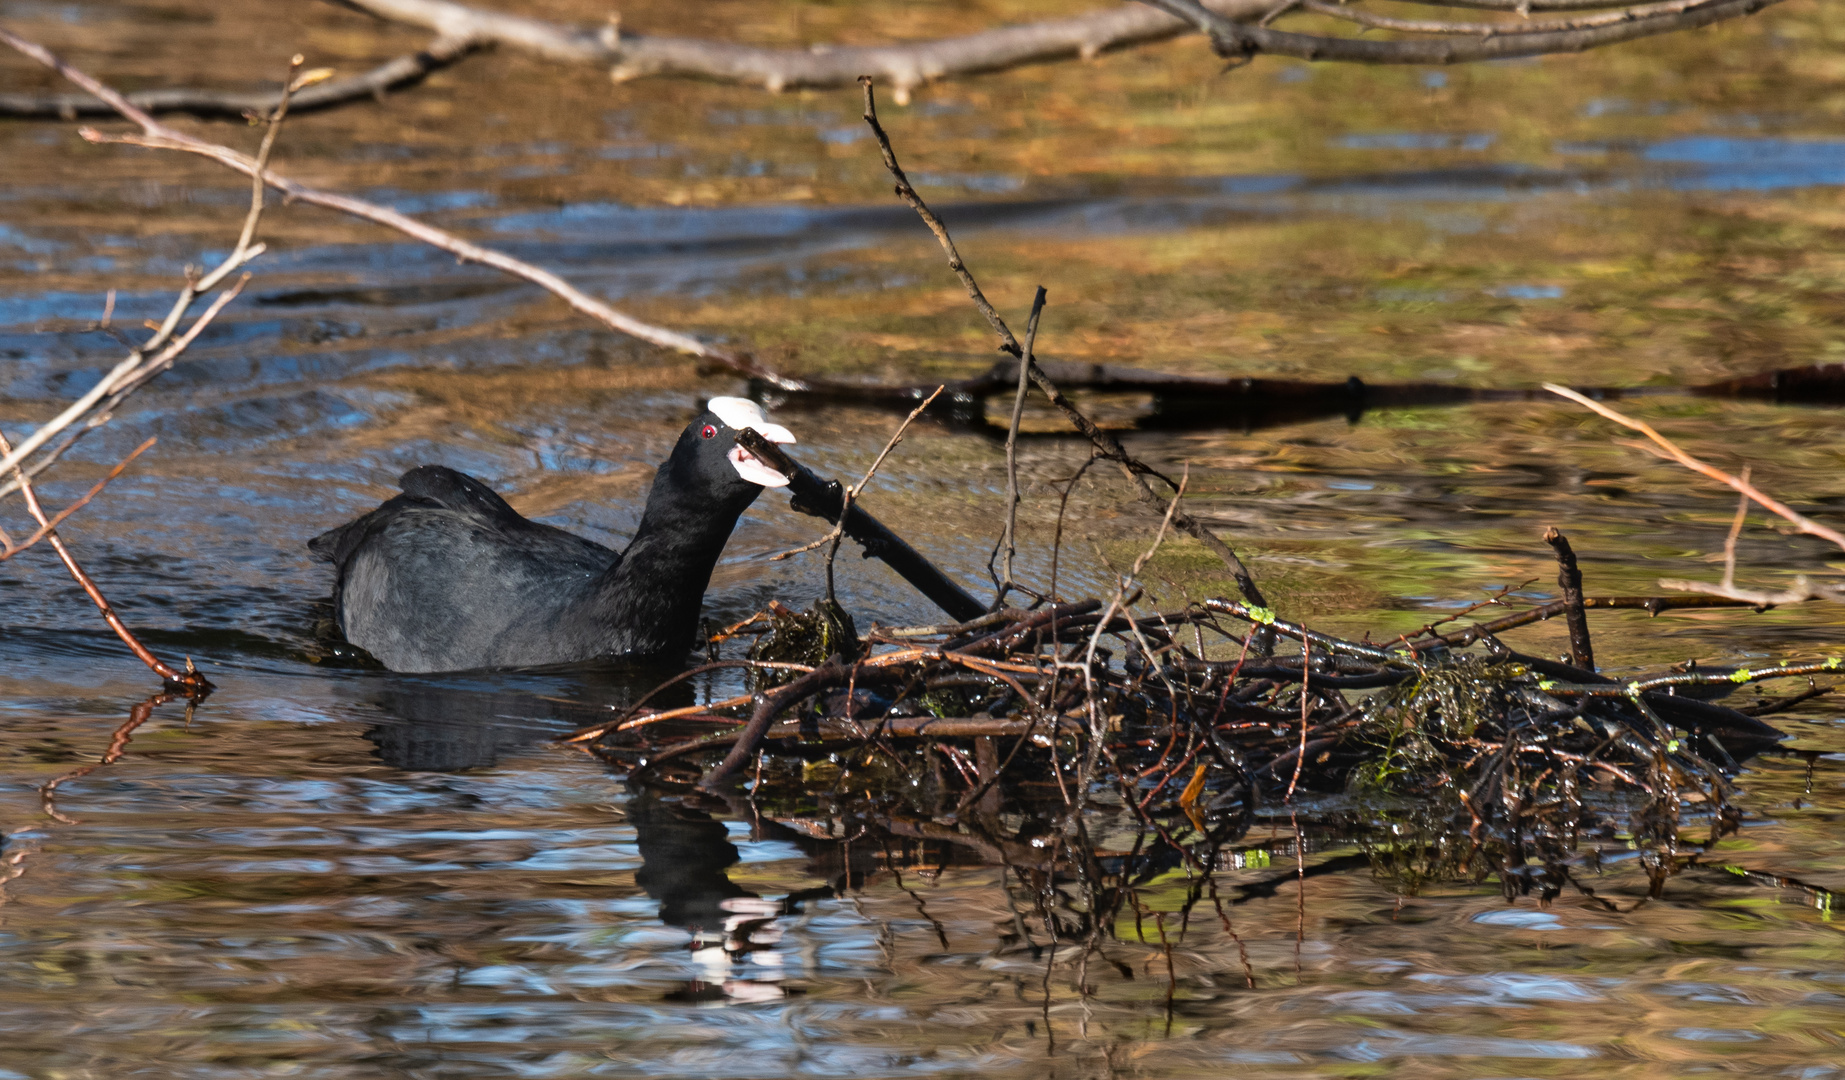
333	871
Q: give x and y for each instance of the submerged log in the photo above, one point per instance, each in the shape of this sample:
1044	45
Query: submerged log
1248	402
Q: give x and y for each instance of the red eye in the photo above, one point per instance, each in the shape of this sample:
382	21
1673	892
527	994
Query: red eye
710	432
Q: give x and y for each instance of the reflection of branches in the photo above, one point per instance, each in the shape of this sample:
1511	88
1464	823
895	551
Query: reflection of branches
117	743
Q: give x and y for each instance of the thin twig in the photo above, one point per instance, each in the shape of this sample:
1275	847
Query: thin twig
1306	673
1729	542
160	137
1238	42
1012	450
1672	451
1106	444
1478	29
190	681
44	530
908	194
851	495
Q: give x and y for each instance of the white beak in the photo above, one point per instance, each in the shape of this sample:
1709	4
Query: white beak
741	413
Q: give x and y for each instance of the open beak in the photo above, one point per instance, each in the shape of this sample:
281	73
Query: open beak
751	468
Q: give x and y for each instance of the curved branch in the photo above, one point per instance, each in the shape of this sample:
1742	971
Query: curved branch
1525	7
903	67
1430	26
1235	40
394	74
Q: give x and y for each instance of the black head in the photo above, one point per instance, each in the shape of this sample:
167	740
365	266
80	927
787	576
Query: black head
709	466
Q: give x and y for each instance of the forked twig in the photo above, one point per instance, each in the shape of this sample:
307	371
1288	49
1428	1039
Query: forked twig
8	549
139	366
143	363
190	681
1672	451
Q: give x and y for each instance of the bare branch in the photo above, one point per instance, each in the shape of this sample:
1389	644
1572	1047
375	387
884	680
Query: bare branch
1433	26
398	74
8	549
123	379
463	30
1736	528
1241	42
190	680
1106	444
160	137
1525	7
1672	451
904	66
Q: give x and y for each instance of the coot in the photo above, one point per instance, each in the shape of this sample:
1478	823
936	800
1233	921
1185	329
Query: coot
447	577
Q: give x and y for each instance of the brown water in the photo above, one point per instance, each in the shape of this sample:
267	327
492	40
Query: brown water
328	871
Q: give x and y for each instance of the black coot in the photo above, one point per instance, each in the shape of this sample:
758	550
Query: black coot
447	577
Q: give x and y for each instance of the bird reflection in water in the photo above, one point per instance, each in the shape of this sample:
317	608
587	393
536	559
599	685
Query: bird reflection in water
686	854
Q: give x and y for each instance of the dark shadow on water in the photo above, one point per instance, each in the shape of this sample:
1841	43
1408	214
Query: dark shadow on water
451	723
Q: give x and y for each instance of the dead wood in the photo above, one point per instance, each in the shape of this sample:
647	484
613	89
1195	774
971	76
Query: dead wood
1238	29
399	73
810	494
904	67
1569	580
1462	43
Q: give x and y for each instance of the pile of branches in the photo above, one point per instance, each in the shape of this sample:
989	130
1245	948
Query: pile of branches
1029	733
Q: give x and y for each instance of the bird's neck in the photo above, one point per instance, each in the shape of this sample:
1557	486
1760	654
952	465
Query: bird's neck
649	601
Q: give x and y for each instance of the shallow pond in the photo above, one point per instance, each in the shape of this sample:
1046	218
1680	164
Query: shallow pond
331	871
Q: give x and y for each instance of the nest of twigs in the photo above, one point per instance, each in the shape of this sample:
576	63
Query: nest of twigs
1050	738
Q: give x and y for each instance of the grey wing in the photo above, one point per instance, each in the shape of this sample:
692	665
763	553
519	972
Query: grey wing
440	487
